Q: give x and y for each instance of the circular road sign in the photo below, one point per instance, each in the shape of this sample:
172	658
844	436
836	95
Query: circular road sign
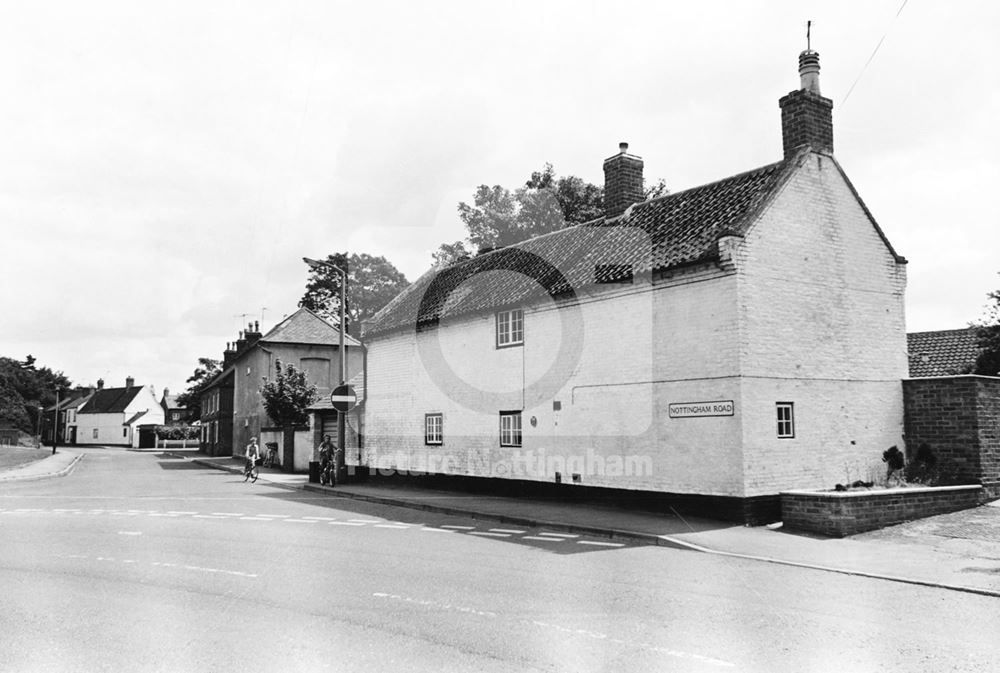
343	398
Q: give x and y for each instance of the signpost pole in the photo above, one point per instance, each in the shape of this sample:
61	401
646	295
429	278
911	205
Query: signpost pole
341	452
338	456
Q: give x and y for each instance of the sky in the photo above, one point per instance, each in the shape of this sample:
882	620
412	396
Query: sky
165	166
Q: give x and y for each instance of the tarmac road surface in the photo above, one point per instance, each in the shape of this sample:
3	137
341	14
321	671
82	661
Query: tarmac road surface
139	562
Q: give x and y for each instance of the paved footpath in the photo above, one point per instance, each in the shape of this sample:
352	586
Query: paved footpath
959	551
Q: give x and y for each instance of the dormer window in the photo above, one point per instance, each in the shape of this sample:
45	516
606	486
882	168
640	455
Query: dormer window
510	328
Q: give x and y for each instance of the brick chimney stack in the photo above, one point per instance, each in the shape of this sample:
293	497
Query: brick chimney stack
622	182
228	356
806	116
100	384
129	382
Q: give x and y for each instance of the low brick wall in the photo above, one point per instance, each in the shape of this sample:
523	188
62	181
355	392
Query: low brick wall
839	514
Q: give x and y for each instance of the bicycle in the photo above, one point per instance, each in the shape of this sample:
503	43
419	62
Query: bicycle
327	475
250	471
271	458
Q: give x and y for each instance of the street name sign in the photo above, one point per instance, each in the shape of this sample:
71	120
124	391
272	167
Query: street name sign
701	409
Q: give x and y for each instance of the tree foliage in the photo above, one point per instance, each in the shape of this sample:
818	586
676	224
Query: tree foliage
288	395
372	282
23	388
499	217
206	370
988	335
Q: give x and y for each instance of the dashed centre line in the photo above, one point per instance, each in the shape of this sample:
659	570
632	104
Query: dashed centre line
501	533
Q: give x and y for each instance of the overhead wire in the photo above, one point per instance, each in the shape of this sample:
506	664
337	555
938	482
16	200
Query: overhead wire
874	51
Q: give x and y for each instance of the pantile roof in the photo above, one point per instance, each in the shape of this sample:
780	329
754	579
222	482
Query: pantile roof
942	353
676	230
110	400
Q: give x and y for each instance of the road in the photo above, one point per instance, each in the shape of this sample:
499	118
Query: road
140	562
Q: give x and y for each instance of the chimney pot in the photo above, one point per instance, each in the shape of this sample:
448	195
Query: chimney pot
100	384
129	381
623	147
806	116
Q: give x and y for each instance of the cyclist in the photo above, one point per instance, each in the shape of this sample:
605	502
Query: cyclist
252	455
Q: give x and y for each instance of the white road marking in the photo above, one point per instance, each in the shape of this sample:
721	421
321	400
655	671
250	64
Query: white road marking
600	544
435	604
166	514
543	539
479	532
177	512
364	520
228	513
389	525
65	510
460	527
129	532
254	518
513	531
275	516
345	523
321	518
559	534
299	521
438	530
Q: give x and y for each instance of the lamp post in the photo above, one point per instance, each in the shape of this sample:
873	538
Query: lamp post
338	456
38	425
55	424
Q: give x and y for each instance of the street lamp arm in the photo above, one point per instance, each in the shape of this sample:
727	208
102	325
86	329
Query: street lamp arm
317	262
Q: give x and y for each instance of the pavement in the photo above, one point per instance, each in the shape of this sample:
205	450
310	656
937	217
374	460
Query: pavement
958	551
56	465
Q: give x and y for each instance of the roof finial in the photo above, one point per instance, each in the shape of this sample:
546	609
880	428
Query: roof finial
808	30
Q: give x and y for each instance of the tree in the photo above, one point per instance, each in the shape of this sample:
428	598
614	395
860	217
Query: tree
449	253
546	203
206	370
24	387
988	335
287	396
372	282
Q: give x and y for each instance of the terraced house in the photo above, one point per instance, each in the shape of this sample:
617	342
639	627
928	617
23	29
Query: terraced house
718	344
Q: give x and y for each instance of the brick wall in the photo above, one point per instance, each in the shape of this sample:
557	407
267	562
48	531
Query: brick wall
959	418
841	514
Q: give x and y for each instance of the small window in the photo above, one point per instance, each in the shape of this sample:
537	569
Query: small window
95	433
786	420
124	432
510	428
433	428
510	328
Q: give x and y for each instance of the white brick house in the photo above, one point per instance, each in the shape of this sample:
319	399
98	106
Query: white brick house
730	340
114	416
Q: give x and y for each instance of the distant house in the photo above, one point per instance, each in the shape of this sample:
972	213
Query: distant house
66	424
119	416
716	345
173	413
232	410
942	353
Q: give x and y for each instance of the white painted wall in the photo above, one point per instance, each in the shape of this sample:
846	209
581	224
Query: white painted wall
822	325
809	309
